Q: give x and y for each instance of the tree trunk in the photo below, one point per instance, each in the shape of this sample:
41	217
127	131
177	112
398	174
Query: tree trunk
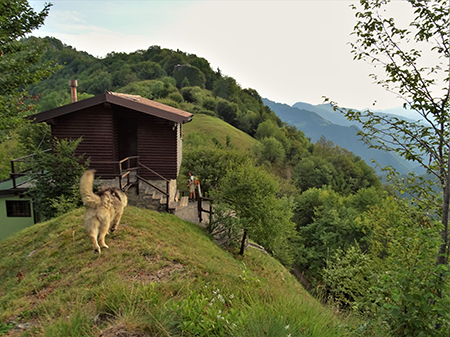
443	250
243	242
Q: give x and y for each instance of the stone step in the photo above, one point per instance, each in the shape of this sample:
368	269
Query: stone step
184	201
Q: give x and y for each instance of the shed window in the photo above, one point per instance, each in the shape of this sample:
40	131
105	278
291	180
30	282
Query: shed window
16	209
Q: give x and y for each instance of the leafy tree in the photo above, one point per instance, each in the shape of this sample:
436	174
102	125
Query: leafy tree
194	95
227	111
422	78
269	128
226	88
210	164
122	75
399	286
171	60
99	82
149	70
251	193
271	150
175	96
192	74
56	176
59	98
34	137
8	151
19	61
248	121
209	103
204	66
313	172
327	222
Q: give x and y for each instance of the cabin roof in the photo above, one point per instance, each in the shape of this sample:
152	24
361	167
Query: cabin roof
134	102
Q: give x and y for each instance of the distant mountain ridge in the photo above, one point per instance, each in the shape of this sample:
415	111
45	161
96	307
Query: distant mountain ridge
318	120
326	111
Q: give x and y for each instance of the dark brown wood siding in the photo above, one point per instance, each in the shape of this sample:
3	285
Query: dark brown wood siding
108	137
95	125
157	146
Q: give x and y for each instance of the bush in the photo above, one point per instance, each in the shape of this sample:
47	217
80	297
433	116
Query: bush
404	291
193	95
209	103
346	277
56	176
189	74
176	97
227	111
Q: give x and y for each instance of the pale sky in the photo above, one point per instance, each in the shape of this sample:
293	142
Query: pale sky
289	51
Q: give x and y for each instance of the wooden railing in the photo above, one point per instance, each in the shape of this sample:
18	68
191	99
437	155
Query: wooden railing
128	168
128	171
125	169
200	209
166	192
17	171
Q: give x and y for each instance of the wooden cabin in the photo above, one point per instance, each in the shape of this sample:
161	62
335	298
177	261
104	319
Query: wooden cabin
116	126
113	127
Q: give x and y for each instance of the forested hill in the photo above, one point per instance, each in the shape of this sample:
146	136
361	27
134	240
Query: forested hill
172	77
188	82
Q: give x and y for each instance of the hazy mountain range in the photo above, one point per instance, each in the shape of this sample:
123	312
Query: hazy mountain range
318	120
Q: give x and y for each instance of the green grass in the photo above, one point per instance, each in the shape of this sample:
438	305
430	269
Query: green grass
212	127
161	276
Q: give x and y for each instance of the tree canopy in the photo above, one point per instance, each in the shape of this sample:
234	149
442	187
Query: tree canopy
415	59
19	58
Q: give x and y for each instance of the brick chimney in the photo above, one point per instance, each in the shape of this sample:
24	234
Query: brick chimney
73	90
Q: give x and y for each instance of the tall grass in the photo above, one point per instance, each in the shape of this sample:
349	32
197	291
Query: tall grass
161	277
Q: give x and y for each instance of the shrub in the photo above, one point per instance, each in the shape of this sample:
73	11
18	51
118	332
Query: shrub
209	103
176	97
193	95
56	178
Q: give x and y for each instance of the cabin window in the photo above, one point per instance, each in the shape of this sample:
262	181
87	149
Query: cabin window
16	208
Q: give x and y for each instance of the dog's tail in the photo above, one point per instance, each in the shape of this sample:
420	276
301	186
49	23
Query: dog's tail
89	198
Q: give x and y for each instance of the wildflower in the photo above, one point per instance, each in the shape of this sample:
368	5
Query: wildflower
231	296
289	335
286	327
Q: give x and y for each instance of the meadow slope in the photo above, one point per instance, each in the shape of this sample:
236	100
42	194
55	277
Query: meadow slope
161	276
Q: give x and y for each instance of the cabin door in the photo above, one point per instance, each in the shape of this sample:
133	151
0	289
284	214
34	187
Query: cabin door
127	132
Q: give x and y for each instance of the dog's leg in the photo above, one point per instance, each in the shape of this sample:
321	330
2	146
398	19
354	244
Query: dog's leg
95	243
116	221
93	233
104	227
91	225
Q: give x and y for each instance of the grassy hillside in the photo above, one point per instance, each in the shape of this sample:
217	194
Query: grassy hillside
210	127
161	277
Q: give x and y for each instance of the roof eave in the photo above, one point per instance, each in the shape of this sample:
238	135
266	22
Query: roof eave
67	109
137	106
108	98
